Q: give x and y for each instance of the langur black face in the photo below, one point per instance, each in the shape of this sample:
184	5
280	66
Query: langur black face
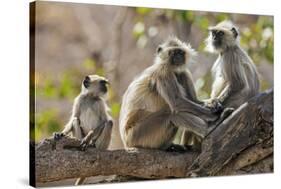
95	84
103	85
222	38
217	37
176	55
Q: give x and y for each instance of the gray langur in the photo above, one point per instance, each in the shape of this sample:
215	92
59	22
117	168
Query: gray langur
90	120
161	100
235	76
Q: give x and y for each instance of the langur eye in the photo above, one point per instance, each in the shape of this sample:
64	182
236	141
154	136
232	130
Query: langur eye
159	49
220	33
104	82
235	33
214	32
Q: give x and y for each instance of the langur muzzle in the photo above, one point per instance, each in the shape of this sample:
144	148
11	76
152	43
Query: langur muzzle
177	56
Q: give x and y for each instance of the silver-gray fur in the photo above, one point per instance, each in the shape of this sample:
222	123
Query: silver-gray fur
235	76
90	120
162	99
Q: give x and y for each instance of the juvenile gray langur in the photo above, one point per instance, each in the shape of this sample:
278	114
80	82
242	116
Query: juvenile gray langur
90	120
162	99
234	73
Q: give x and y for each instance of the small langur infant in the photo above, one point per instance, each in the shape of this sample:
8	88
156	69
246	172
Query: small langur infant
234	73
90	120
162	99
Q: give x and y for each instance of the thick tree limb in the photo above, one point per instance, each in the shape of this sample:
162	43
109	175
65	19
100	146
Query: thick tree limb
55	162
249	125
243	143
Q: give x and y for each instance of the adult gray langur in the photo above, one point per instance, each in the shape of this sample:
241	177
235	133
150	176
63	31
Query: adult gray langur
162	99
234	74
235	77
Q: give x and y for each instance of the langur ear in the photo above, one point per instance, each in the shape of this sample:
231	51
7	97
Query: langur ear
235	32
86	81
159	49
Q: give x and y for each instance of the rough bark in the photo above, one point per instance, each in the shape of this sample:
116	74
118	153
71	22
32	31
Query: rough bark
242	144
247	133
61	160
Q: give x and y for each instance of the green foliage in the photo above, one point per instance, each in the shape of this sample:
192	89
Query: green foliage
89	64
189	16
115	109
143	11
202	22
46	123
221	17
67	87
257	39
100	72
49	89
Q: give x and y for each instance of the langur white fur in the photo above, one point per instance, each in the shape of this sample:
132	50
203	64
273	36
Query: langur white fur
90	120
162	99
235	77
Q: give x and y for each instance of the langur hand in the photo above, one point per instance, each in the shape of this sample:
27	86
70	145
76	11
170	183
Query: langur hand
58	136
214	105
84	144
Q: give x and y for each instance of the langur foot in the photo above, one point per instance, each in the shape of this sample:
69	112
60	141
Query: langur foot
215	106
177	148
58	136
226	113
84	145
192	174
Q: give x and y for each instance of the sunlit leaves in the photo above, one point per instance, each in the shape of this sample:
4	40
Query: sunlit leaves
221	17
89	64
115	109
67	86
202	22
100	71
143	11
257	39
189	16
49	88
46	123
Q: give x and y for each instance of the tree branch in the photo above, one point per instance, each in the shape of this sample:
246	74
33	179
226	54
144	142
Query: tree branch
249	125
61	160
243	143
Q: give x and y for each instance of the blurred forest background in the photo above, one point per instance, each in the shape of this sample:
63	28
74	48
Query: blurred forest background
75	40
